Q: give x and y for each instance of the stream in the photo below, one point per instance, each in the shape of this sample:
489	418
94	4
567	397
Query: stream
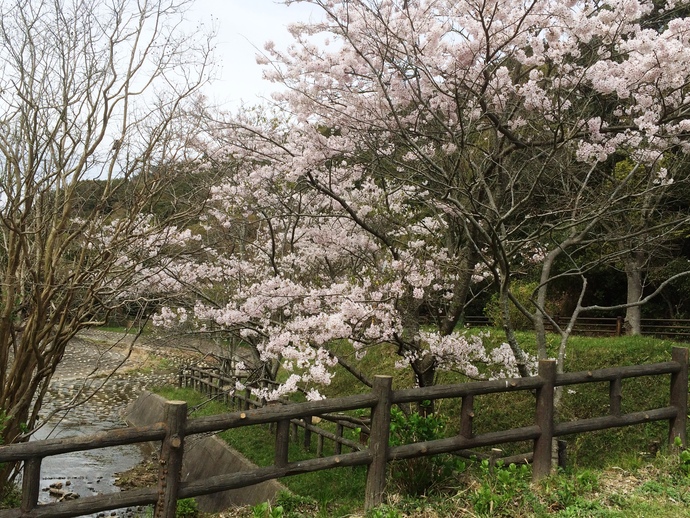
90	472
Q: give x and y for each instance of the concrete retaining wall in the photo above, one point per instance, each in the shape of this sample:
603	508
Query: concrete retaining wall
205	457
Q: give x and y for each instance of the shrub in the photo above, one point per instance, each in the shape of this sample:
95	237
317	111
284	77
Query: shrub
187	508
416	476
522	291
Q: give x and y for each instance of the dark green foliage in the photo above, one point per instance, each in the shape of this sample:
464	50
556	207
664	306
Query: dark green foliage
187	508
417	476
522	291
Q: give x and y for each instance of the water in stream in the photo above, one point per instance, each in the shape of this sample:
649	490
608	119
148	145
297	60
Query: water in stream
91	356
90	472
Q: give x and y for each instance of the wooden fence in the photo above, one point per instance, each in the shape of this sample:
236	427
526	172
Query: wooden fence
175	428
213	383
678	329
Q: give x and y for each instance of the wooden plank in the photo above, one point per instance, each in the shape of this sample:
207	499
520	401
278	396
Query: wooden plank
255	476
267	414
610	421
338	439
610	374
452	444
47	447
465	389
87	505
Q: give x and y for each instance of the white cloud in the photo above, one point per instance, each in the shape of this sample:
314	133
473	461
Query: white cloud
243	27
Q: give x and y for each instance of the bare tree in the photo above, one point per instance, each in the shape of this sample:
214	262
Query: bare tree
93	94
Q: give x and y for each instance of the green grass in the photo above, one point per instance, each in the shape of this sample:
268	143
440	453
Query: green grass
337	492
654	484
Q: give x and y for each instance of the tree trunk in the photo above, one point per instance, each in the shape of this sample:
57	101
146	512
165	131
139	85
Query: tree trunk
425	373
538	319
634	265
520	356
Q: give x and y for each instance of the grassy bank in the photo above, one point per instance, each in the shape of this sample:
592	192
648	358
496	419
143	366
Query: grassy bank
614	473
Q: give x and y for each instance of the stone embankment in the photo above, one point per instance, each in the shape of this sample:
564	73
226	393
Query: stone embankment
148	408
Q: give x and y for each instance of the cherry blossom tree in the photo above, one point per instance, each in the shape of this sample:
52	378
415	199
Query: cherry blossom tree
425	141
96	104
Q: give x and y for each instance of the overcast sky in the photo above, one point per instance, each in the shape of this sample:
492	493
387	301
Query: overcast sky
243	27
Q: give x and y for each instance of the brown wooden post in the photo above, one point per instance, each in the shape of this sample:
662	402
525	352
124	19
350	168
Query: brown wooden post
171	459
466	416
378	442
307	433
615	396
295	435
319	445
541	462
619	326
679	397
282	438
31	483
562	454
338	449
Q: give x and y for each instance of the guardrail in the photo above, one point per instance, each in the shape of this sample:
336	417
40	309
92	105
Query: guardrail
175	428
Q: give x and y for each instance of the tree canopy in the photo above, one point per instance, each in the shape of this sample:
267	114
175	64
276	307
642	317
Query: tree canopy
424	148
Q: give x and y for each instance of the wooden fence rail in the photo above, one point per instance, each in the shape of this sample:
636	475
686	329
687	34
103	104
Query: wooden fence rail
216	385
676	328
175	428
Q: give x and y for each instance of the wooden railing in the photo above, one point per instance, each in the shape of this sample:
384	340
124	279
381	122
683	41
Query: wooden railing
175	428
217	386
611	326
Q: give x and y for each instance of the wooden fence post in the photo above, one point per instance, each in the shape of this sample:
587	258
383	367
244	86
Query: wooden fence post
378	442
31	483
679	397
338	448
171	459
307	433
282	440
541	462
466	416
